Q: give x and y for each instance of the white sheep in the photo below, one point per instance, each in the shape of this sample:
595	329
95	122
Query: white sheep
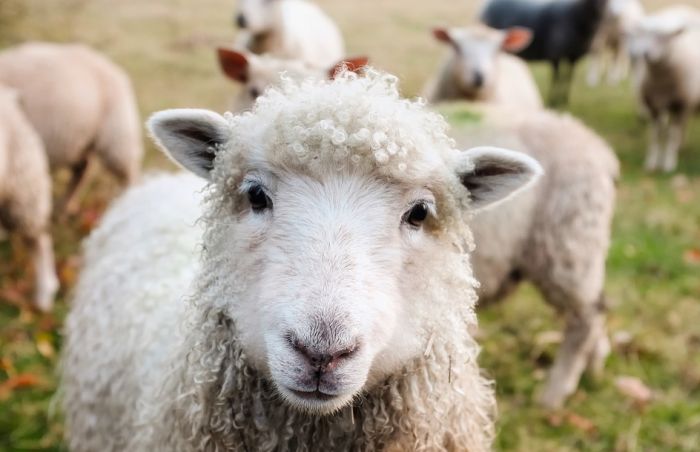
289	29
555	233
81	104
331	305
257	73
478	68
668	45
609	50
25	193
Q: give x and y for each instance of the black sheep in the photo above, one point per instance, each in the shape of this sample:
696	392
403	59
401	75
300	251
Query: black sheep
562	33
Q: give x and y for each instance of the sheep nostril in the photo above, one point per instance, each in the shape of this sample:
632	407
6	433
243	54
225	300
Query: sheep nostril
241	21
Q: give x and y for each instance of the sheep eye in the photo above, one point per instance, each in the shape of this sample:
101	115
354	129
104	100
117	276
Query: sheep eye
259	201
254	93
417	215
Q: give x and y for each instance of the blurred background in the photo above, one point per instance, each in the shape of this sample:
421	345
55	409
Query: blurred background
653	280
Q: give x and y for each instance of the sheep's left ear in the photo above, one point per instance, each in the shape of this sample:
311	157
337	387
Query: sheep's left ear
492	174
516	39
234	64
190	137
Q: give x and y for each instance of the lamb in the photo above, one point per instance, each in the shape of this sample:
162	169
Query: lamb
478	70
289	29
331	306
81	104
554	234
666	44
25	193
257	73
563	32
619	19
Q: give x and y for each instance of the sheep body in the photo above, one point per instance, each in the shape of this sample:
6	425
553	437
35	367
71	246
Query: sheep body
190	373
666	44
500	78
25	193
563	33
293	29
80	103
610	41
555	234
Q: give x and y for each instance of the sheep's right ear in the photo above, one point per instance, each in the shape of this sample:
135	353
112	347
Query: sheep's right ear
516	39
190	137
234	64
493	175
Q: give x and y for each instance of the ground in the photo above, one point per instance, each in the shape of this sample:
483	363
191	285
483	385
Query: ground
653	279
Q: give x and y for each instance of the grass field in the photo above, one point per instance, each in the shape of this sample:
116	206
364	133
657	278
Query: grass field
654	263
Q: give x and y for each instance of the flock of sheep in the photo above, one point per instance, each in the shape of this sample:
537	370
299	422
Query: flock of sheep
310	282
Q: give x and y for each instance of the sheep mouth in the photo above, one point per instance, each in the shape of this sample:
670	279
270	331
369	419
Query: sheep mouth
313	395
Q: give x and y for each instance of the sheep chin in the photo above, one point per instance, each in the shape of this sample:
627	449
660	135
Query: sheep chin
319	406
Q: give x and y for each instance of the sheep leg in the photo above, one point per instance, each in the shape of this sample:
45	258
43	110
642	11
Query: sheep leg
46	281
620	66
69	205
566	82
601	349
676	132
656	131
595	67
554	86
581	337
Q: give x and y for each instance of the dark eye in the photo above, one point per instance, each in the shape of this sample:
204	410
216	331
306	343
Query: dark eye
254	93
417	215
259	201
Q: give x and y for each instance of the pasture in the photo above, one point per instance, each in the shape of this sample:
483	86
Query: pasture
653	279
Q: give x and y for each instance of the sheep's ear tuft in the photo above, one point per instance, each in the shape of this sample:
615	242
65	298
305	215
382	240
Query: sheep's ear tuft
352	64
234	64
443	35
492	174
516	39
190	137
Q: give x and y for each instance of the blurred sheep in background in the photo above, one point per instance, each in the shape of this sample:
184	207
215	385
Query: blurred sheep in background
610	47
563	31
289	29
478	69
258	72
25	193
555	234
667	44
82	105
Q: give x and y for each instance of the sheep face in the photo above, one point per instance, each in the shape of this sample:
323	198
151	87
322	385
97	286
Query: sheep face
329	203
476	50
256	16
650	40
257	73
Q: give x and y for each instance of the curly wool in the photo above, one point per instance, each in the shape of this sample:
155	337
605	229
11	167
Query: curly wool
210	396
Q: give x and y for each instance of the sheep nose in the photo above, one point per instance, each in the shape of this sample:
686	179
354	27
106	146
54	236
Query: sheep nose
478	79
326	360
241	21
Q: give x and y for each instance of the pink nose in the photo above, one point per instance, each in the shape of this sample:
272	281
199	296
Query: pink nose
325	360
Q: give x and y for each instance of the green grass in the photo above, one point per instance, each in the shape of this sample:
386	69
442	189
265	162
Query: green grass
653	280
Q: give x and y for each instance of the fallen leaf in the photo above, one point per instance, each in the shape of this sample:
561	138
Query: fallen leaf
692	256
580	423
45	346
635	389
17	382
548	338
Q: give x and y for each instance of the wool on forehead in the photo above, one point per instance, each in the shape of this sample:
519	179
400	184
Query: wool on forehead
350	123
